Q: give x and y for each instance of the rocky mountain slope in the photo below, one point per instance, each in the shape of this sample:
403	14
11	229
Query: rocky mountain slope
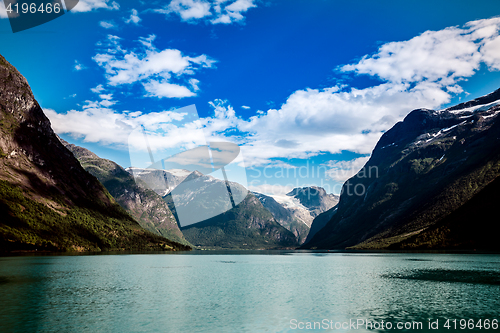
430	184
47	200
297	209
319	222
247	226
143	204
202	206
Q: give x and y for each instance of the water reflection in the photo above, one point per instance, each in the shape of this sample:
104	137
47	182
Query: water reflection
241	292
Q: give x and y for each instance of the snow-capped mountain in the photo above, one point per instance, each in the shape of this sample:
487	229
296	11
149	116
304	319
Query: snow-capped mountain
434	184
161	181
214	213
297	209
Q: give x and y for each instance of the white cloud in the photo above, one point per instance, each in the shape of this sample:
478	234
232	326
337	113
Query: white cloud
189	9
423	72
98	89
99	123
313	121
107	24
245	107
94	124
106	96
270	189
432	56
341	171
490	52
134	17
168	90
232	12
164	73
79	66
89	5
214	11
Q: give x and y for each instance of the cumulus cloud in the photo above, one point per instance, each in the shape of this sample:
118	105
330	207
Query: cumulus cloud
313	121
107	24
214	12
78	66
189	9
90	5
97	122
163	73
134	17
270	189
98	89
423	72
442	56
232	12
164	89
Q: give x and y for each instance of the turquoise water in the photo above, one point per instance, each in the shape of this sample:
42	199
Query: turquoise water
271	292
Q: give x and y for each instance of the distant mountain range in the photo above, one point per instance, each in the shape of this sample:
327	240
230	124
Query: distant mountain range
47	200
248	225
297	209
431	183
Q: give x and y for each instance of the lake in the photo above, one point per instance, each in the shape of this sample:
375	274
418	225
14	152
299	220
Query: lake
249	292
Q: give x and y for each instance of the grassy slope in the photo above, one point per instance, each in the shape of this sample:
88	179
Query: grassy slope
28	225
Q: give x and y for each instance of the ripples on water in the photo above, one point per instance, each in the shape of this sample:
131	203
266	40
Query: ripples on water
244	292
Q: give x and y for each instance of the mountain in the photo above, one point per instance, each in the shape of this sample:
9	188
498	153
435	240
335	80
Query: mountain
315	199
203	206
47	200
297	209
143	204
247	226
319	222
160	181
431	183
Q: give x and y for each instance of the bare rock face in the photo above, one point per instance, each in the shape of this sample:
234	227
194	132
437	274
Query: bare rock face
431	183
47	200
147	207
33	156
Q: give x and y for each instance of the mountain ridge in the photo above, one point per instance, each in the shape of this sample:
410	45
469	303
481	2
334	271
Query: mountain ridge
47	200
428	165
143	204
298	208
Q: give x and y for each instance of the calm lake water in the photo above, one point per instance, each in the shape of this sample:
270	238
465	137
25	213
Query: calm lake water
249	292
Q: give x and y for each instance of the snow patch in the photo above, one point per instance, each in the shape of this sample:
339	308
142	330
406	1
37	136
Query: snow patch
179	172
491	115
288	201
392	144
482	107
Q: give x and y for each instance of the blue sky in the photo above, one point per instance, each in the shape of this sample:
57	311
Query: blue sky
299	85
